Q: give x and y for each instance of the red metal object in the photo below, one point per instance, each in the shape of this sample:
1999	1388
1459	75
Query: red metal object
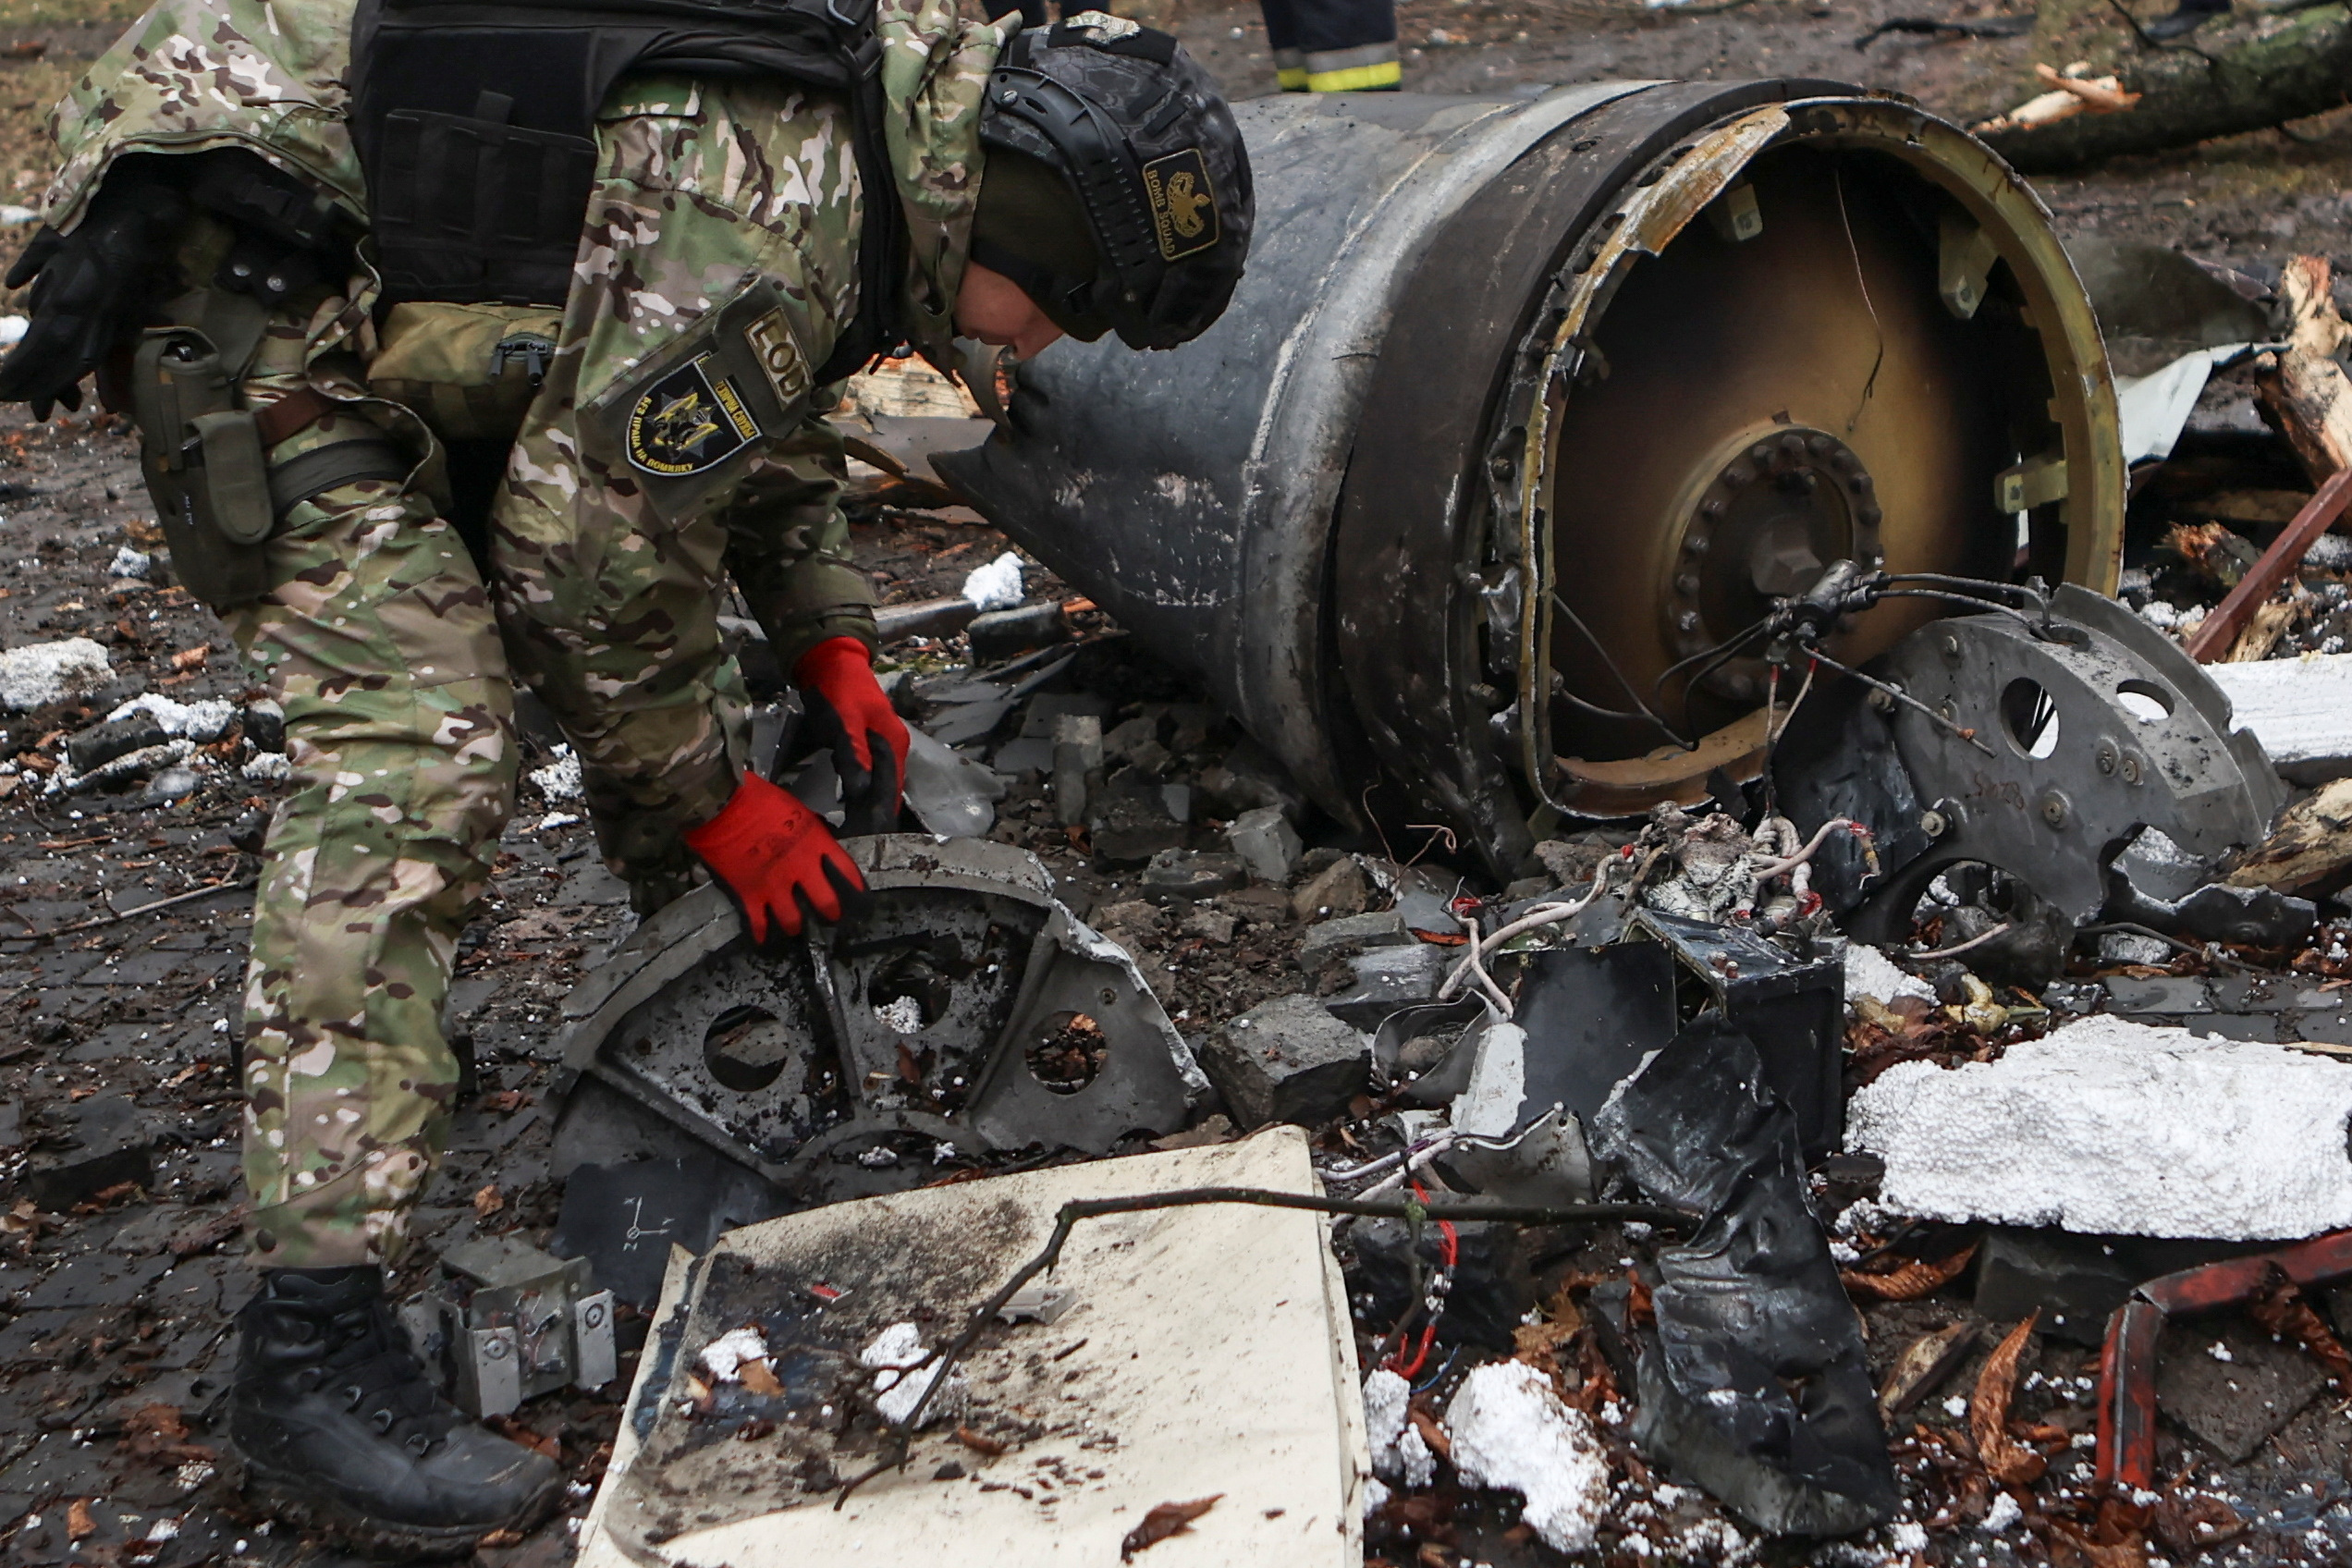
2127	1396
2236	1280
2128	1360
2214	638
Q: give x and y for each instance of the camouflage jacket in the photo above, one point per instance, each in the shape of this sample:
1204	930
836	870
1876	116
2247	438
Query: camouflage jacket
267	75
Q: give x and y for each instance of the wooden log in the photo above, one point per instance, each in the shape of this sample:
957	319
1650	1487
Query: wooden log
2306	392
2221	81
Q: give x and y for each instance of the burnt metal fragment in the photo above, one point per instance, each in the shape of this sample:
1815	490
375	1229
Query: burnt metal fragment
839	1064
1752	1380
2039	743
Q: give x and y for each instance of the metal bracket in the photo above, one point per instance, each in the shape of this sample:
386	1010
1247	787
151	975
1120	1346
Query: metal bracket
2037	481
1965	255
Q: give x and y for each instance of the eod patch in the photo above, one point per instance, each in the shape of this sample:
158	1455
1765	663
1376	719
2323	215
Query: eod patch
691	420
1184	204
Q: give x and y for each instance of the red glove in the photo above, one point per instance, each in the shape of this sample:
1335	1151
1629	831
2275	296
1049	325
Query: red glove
849	713
776	856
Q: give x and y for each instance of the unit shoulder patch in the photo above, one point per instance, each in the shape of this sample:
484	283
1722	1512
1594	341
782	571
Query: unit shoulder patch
1184	204
691	420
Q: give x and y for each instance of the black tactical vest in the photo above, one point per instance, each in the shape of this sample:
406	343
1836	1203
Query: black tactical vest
475	123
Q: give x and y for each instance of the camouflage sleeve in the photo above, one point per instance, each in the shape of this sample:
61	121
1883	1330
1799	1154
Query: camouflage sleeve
195	74
788	546
934	70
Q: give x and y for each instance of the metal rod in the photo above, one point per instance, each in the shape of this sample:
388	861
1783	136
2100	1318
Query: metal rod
2218	633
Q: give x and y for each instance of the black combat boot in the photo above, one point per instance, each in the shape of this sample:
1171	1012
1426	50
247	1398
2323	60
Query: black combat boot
340	1431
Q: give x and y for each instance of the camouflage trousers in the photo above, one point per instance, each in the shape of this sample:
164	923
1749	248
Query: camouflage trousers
395	656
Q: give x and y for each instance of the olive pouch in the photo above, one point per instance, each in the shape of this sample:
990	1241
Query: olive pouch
470	372
202	458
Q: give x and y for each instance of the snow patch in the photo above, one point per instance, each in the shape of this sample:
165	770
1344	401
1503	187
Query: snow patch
41	673
995	586
2004	1513
267	767
2110	1126
1869	973
1511	1432
129	562
200	722
559	780
897	1385
723	1358
1399	1452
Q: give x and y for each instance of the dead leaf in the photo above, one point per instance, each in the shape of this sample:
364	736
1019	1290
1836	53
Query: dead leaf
489	1201
1922	1363
156	1421
1168	1519
78	1521
2192	1522
189	658
759	1378
977	1443
498	1539
538	1442
1639	1313
2281	1308
28	49
2004	1459
1910	1281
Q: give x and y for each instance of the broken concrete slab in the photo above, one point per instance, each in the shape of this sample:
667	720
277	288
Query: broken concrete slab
114	1142
1266	842
1339	888
1120	1405
1336	940
2108	1125
1387	979
2076	1280
1189	876
2230	1386
1001	635
1288	1060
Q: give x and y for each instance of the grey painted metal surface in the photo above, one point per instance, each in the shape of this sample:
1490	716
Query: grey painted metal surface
916	1021
1218	554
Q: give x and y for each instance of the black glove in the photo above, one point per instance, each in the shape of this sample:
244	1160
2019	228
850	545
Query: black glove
92	286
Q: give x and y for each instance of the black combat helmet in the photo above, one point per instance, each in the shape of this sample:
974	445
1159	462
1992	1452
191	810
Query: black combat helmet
1149	161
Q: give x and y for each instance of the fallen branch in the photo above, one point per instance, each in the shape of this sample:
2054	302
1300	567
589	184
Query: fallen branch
1067	1219
2191	95
189	897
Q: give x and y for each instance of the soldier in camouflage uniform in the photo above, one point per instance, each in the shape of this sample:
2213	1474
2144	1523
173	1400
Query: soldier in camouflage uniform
673	437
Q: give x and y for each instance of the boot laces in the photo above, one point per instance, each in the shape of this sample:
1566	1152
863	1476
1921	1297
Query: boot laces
368	1363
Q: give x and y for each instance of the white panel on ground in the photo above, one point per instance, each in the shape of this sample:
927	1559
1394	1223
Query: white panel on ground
1207	1352
2300	708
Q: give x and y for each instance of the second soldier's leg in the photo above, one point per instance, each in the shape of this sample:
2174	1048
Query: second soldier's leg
380	644
1347	45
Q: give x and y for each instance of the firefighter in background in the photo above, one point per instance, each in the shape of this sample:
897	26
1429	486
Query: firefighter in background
1333	45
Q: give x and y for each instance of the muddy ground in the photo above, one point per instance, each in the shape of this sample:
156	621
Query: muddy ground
113	1315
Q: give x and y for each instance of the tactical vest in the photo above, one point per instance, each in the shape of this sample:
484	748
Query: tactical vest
475	125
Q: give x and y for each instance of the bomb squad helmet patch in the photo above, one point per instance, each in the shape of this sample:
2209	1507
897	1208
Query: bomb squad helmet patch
689	421
1184	205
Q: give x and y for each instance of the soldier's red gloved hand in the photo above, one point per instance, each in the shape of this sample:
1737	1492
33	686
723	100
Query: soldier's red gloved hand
778	858
849	713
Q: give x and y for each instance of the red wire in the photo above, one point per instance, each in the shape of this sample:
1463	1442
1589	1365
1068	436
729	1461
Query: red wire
1449	1254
